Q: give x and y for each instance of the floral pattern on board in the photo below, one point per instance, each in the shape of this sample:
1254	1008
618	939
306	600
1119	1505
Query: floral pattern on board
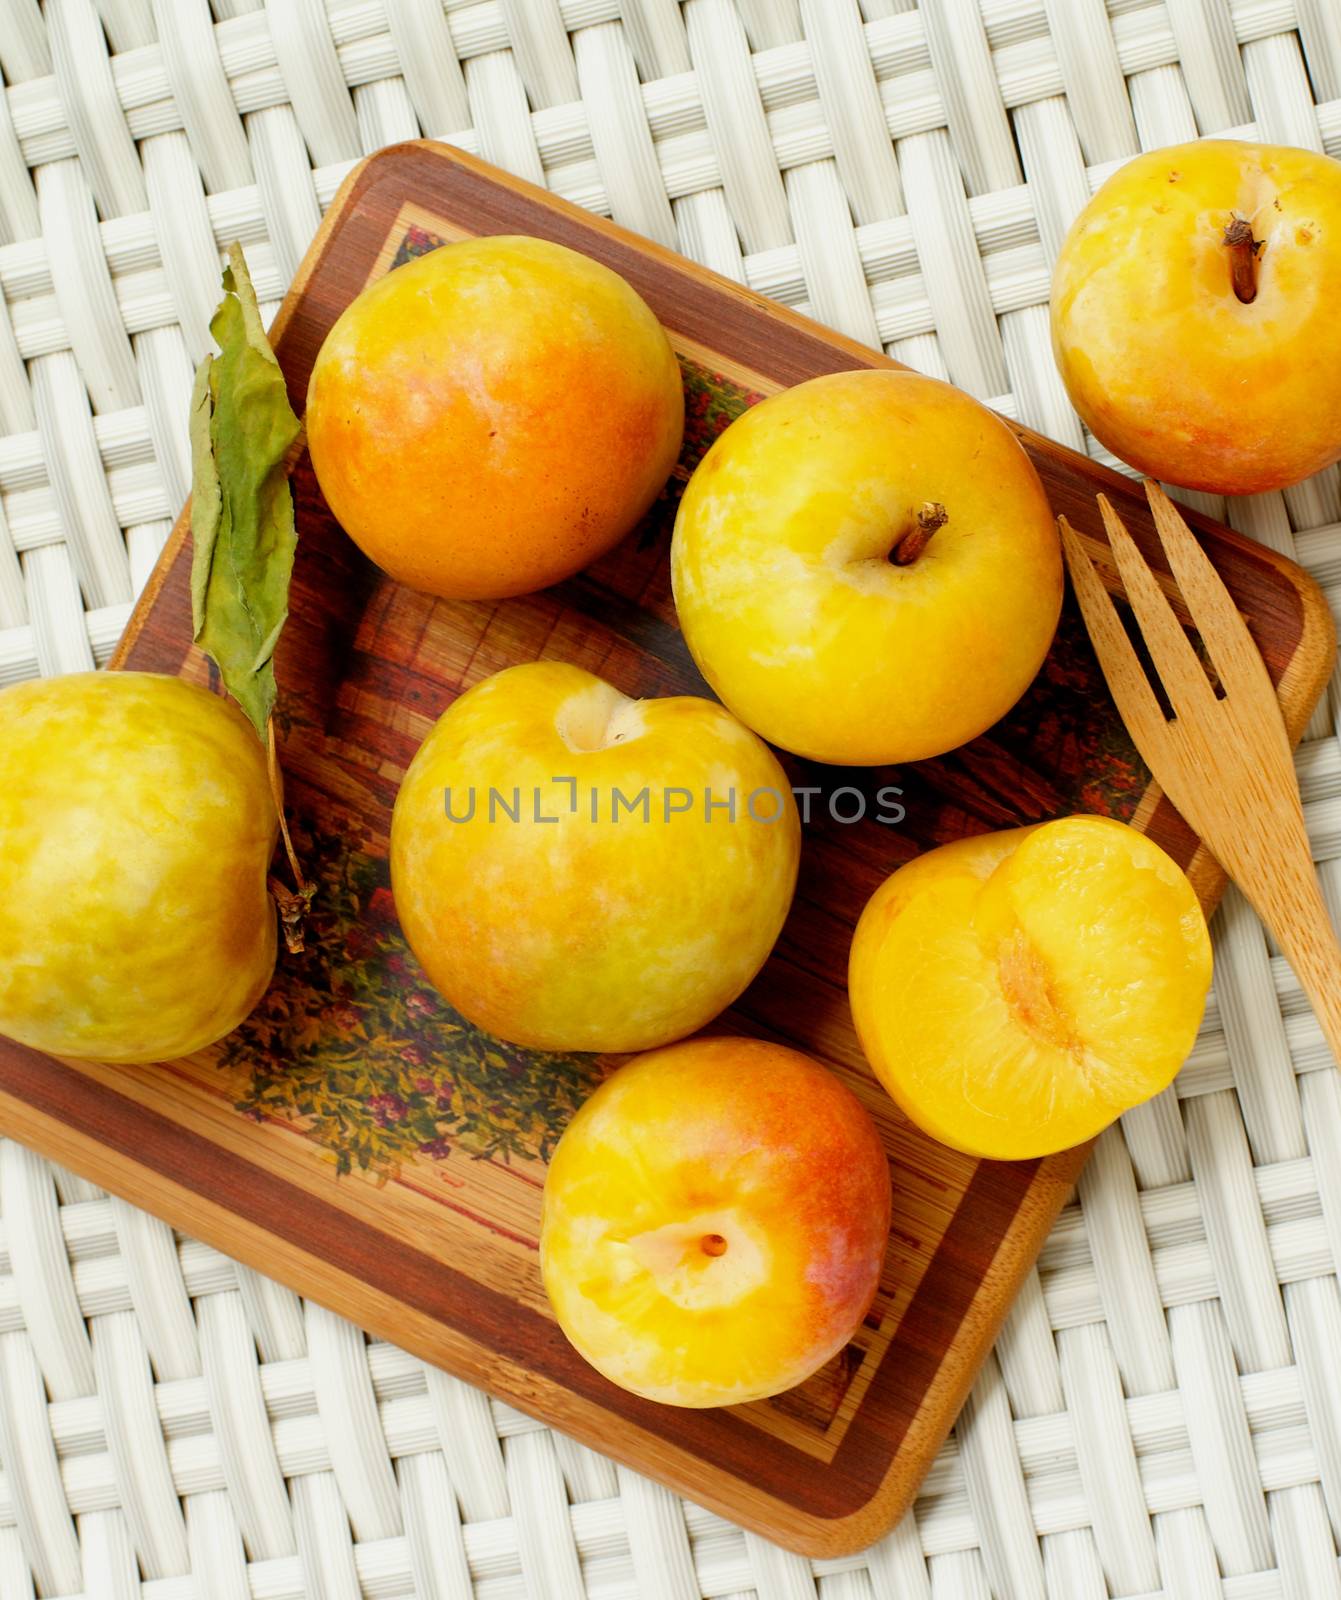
354	1046
352	1042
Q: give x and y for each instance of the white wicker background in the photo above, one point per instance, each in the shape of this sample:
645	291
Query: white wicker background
1163	1412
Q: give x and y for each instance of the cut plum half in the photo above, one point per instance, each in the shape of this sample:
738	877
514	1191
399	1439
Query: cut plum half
1018	992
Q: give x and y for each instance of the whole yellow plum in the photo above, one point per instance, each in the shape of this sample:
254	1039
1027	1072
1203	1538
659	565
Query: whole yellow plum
491	417
136	829
866	569
1194	314
578	870
715	1220
1015	992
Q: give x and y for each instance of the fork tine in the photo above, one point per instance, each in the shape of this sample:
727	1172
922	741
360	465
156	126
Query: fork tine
1122	668
1237	659
1179	667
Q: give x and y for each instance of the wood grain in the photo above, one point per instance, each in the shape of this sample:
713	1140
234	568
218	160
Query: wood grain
435	1248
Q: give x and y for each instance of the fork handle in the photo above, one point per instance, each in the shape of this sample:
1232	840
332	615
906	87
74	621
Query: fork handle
1296	913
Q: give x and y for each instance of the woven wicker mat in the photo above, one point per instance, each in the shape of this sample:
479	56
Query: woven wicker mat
1163	1412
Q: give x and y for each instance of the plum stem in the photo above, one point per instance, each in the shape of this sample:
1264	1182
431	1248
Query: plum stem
292	903
712	1244
1243	249
931	514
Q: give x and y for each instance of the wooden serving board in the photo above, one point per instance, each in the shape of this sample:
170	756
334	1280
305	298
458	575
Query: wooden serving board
362	1143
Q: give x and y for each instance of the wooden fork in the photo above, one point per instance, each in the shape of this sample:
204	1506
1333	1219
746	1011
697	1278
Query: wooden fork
1224	763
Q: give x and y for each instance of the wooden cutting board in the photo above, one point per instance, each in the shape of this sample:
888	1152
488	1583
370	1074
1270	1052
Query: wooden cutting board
360	1142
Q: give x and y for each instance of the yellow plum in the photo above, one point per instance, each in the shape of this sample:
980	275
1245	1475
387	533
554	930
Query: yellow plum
715	1220
1015	992
491	417
579	870
136	830
1195	314
866	569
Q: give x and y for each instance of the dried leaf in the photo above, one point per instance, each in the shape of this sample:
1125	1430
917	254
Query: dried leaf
205	495
242	429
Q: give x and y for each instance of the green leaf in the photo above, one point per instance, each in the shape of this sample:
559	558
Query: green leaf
242	429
